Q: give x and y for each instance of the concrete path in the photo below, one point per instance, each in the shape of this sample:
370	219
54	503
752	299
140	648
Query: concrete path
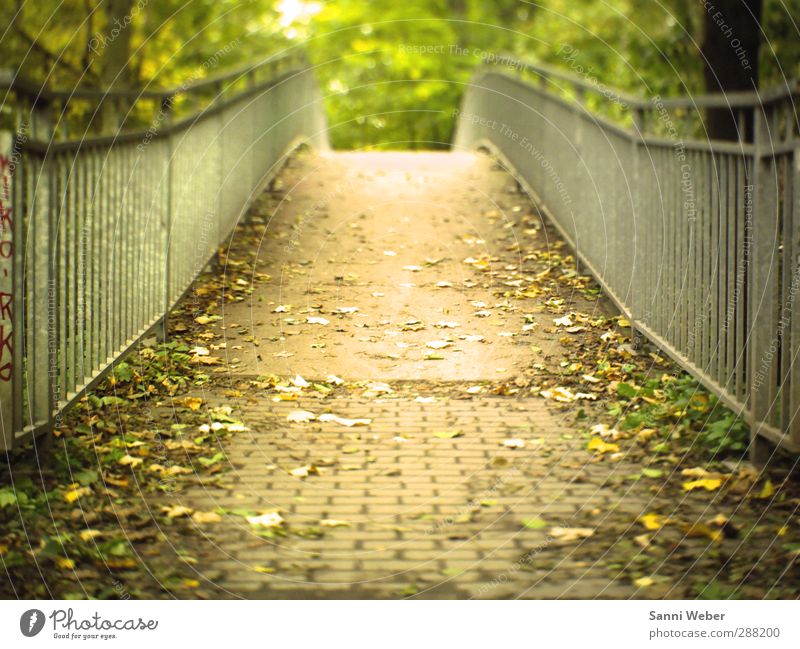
424	296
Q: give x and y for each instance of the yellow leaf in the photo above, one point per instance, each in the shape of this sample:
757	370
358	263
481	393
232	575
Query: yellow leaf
120	563
176	511
88	535
644	582
597	444
64	563
130	461
191	583
193	403
206	517
700	530
332	522
698	472
767	490
264	570
73	494
654	521
710	484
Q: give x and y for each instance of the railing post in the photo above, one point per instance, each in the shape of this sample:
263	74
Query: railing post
639	294
793	205
9	371
163	331
762	331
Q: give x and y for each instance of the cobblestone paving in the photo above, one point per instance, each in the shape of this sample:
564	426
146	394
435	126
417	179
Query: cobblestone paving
430	499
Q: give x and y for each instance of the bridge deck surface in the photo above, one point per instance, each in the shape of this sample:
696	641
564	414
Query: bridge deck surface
431	286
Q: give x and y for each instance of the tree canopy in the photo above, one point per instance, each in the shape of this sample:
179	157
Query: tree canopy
392	72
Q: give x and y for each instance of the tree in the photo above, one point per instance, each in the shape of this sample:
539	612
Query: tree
731	39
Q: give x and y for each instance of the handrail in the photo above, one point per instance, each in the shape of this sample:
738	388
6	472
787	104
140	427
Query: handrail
165	130
109	231
694	240
11	80
745	99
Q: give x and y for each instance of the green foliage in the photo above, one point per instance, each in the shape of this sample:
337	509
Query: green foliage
683	409
392	72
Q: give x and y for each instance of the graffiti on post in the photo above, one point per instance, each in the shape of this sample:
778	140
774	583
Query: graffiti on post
7	167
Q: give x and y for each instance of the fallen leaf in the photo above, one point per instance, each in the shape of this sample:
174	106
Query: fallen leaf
300	417
701	530
332	522
299	382
709	484
77	492
514	443
571	533
176	511
597	444
268	519
448	434
206	517
534	523
193	403
444	324
438	344
304	471
343	421
654	521
767	491
644	582
317	320
88	535
264	570
129	460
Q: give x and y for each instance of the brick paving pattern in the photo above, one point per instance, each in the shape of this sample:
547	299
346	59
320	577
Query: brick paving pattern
395	510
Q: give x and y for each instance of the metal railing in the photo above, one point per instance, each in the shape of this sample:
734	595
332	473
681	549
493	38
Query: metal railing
696	241
101	236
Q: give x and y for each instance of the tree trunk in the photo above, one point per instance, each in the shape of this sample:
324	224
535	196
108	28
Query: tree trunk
115	61
731	38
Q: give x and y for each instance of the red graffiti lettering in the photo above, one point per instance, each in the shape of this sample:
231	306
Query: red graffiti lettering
5	342
5	218
5	305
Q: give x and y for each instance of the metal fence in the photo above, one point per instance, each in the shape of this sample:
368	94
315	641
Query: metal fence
696	241
100	236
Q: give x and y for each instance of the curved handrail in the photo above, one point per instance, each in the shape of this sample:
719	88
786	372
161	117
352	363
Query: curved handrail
744	99
11	80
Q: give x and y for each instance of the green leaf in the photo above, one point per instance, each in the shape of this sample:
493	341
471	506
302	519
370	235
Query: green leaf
210	461
652	473
113	401
87	477
123	372
7	497
626	390
535	523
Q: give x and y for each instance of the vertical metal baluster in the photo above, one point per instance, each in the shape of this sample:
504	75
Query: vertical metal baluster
729	263
715	240
743	252
793	258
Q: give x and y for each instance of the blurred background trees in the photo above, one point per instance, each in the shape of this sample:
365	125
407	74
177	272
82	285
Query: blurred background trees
393	72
